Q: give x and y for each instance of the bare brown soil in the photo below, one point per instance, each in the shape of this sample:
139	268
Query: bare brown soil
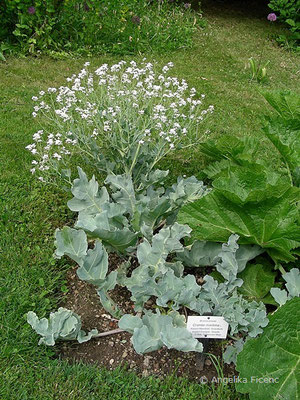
116	350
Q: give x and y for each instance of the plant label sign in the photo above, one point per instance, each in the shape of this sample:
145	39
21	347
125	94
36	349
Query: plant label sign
207	327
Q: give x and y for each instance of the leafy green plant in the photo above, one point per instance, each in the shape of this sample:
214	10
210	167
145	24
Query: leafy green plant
288	12
284	130
62	325
85	26
258	205
258	71
120	119
274	374
258	282
247	197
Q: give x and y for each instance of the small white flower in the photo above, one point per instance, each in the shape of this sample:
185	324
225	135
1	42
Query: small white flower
56	155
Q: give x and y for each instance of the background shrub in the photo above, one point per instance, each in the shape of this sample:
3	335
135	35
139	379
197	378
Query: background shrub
83	26
288	11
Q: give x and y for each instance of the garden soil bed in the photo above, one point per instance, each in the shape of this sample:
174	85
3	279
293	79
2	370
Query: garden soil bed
116	350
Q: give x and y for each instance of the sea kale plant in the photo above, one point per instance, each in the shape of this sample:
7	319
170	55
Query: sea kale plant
140	226
120	119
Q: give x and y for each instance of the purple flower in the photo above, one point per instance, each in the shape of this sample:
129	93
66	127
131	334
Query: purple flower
136	19
187	5
272	17
31	10
86	6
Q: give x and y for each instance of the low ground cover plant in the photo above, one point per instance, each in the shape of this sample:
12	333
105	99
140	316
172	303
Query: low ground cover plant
59	28
243	223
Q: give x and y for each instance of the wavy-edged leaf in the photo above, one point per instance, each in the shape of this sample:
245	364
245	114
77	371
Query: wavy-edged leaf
163	243
285	135
292	279
99	227
107	302
95	265
87	196
154	331
231	352
204	254
186	190
61	325
72	243
292	285
123	191
280	296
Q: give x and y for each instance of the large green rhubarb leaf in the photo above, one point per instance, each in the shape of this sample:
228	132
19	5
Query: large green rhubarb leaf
286	103
271	223
242	185
258	280
269	365
284	130
229	147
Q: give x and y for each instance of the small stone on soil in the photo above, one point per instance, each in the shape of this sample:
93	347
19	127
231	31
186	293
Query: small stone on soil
147	361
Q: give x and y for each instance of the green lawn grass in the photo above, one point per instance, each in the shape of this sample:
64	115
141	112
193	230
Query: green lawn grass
30	279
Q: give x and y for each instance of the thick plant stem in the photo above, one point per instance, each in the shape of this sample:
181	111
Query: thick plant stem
281	269
112	332
135	158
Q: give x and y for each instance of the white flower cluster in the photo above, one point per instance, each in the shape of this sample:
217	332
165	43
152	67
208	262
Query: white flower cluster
123	105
